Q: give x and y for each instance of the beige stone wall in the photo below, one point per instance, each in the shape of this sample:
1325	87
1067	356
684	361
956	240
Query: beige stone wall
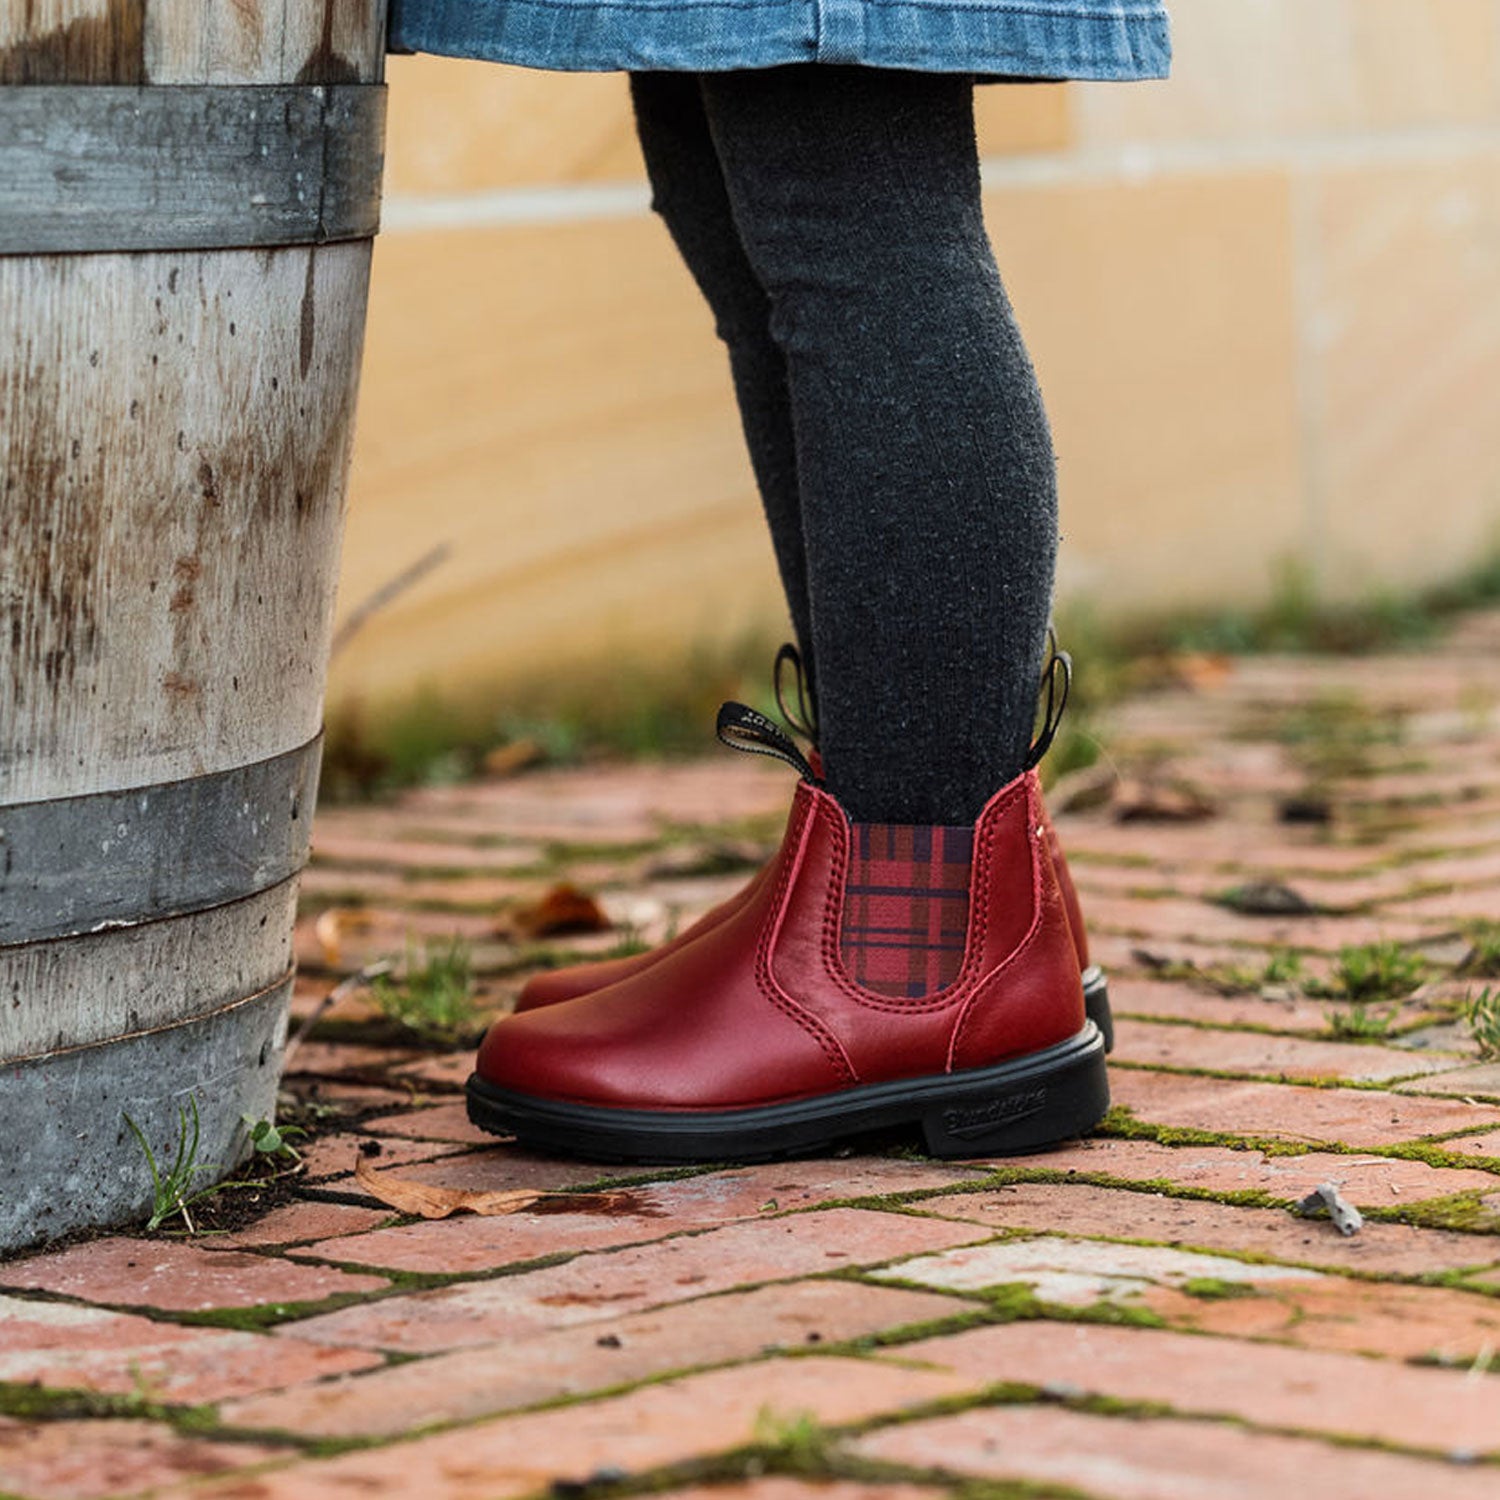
1264	299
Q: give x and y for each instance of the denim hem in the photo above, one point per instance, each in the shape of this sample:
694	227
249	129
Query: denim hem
1041	39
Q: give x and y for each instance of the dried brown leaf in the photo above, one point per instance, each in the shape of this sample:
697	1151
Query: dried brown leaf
518	755
431	1201
564	908
331	928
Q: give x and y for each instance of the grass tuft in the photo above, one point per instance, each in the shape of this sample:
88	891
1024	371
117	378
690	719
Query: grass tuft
1483	1016
435	997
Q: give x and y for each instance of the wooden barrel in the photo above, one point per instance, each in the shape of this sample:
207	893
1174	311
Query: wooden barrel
187	200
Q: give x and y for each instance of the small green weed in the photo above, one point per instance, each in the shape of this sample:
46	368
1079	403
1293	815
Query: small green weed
797	1439
1282	969
1378	971
172	1191
273	1141
1360	1021
1212	1289
1483	1015
1284	966
1333	736
1483	958
631	942
436	996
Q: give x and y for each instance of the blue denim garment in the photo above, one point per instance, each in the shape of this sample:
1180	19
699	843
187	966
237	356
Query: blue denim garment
1120	39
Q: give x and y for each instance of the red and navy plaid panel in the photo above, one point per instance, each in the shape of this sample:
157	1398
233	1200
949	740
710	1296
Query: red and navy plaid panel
906	907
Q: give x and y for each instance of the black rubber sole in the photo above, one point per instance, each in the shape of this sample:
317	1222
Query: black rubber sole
1005	1109
1096	1000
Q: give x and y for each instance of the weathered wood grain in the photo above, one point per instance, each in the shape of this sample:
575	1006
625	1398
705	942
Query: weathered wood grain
175	427
177	438
106	168
72	41
191	41
264	41
78	992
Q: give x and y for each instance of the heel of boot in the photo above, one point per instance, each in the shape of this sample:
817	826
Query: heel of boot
995	1112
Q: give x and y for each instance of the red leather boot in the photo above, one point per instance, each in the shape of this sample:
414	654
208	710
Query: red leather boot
756	1040
553	986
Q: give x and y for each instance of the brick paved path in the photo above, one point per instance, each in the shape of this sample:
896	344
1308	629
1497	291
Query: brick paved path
1136	1316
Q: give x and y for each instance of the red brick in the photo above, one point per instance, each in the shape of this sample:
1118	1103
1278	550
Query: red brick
1353	1117
339	1059
445	1072
438	1122
1481	1082
1471	904
1196	1047
178	1277
1207	922
298	1223
1264	1384
354	842
84	1460
1168	1000
500	1166
1356	1317
1079	1273
1116	1213
86	1348
629	1215
527	1370
610	804
330	1157
1161	1458
1487	1144
642	1430
604	1285
1369	1181
779	1487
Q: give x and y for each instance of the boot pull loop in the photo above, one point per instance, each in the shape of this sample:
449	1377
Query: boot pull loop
742	728
1057	682
805	719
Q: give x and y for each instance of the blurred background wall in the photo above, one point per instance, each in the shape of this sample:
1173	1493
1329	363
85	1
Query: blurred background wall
1264	299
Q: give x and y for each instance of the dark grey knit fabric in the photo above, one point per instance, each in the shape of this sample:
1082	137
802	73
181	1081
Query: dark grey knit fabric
832	218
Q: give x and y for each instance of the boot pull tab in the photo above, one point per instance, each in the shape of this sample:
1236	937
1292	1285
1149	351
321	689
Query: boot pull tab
1057	681
742	728
805	719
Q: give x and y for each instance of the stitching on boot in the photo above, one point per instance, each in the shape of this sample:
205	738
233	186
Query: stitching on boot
832	1048
1033	839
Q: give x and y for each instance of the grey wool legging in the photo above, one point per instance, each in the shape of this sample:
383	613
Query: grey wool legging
831	216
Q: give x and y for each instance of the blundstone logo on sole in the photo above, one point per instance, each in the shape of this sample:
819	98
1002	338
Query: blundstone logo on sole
979	1118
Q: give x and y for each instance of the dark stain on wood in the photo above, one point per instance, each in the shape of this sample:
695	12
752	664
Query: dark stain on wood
107	48
308	325
53	496
326	65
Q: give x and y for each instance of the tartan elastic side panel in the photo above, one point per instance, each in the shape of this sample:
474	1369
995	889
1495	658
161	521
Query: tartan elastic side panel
906	907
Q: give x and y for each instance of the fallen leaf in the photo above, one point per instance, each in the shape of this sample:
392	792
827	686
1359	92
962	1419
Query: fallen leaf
1152	801
516	756
564	908
433	1202
333	926
1082	791
1201	670
1267	898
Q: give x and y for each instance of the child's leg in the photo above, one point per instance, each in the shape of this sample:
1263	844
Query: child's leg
688	191
924	461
